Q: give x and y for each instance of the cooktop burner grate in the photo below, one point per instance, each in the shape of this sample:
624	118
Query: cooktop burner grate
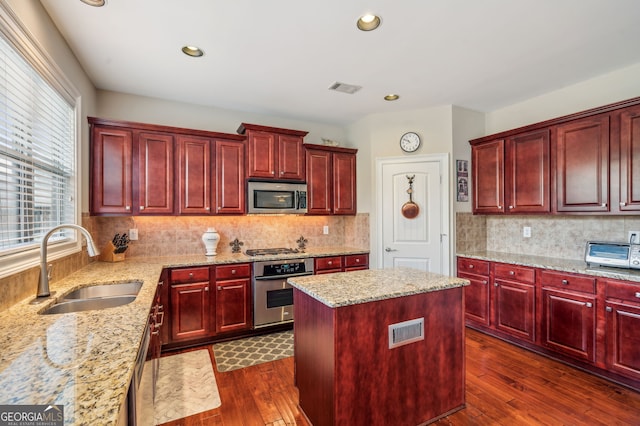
270	251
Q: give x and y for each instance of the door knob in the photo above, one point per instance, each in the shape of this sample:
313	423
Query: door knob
388	249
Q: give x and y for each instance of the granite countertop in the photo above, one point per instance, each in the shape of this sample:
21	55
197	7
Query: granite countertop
85	360
351	288
564	265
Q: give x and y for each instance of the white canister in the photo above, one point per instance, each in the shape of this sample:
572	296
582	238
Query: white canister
210	239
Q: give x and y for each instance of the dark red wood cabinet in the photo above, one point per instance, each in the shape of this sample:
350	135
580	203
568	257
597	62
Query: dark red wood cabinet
582	165
229	177
344	263
155	166
476	295
274	153
629	155
190	303
568	314
622	318
111	170
194	175
514	296
233	297
512	175
331	180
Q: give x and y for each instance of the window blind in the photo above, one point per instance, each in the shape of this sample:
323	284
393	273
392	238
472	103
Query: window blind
37	155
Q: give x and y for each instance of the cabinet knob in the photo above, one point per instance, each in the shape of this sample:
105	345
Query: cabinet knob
329	263
495	284
190	274
565	282
484	282
623	204
588	305
281	173
357	260
160	282
219	287
233	272
207	208
206	289
609	309
604	204
510	207
512	273
141	207
637	294
471	266
127	207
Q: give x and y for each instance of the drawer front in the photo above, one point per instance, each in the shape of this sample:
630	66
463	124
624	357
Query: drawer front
568	281
239	270
190	275
624	291
512	272
473	266
356	260
334	262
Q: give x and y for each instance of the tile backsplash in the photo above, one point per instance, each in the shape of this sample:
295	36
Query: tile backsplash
551	236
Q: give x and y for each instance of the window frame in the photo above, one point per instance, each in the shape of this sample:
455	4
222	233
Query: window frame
17	35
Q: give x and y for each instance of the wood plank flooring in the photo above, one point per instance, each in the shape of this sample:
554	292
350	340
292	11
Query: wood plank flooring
505	385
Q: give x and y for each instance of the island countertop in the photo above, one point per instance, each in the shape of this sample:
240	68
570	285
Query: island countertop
351	288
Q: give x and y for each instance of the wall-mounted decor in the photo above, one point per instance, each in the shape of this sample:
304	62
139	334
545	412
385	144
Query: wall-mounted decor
462	181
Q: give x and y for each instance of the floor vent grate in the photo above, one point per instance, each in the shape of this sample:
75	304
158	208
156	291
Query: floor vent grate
406	332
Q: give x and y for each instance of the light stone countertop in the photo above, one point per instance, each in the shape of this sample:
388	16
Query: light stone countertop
351	288
85	360
564	265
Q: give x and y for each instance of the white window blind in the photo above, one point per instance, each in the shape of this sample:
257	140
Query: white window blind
37	154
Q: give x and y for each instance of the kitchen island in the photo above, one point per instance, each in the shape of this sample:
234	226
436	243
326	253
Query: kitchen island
379	347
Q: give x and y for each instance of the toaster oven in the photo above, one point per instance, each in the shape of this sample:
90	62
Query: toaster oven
618	255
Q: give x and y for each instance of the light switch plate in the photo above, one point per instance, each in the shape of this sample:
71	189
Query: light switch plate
133	234
526	231
325	230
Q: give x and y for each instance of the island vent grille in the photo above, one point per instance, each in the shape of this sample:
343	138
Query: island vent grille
403	333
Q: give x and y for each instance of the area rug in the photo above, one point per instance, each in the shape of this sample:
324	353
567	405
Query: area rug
253	350
186	386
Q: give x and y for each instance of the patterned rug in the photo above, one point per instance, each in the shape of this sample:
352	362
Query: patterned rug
253	350
186	386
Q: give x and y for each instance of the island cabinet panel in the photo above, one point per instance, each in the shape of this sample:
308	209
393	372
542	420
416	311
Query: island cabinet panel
347	375
155	173
569	314
622	318
194	174
356	262
582	165
111	170
476	295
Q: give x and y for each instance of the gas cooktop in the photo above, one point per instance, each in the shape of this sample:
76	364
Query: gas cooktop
270	251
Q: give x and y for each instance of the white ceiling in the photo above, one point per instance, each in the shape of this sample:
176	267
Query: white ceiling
279	57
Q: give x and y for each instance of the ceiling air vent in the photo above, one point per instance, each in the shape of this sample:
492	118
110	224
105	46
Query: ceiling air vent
345	88
406	332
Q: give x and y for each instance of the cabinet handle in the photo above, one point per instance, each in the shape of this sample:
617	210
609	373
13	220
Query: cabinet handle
565	282
512	273
219	287
588	304
160	283
609	309
159	324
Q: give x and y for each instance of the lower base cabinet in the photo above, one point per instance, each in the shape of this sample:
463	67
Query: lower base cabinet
346	263
233	298
190	304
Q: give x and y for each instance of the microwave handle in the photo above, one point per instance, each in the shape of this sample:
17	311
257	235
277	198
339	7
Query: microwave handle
297	203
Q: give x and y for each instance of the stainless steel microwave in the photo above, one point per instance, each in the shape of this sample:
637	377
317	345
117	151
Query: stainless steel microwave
276	198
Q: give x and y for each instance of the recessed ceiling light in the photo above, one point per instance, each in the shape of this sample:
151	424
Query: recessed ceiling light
392	97
368	22
96	3
193	51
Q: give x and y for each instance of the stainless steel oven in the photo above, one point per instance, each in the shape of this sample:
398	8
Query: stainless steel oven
272	296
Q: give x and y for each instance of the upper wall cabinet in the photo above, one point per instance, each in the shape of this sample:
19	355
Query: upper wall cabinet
274	153
144	169
511	175
331	180
585	163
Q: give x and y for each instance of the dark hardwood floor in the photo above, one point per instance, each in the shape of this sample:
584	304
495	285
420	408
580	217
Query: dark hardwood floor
505	385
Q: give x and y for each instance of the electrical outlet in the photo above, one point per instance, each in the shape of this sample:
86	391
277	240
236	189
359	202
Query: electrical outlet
325	230
634	237
133	234
526	231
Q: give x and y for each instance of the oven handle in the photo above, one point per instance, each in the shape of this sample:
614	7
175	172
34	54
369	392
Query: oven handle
279	277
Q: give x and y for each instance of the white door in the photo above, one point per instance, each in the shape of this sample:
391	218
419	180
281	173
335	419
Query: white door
420	242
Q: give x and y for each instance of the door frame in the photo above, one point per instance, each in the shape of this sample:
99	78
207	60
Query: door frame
445	191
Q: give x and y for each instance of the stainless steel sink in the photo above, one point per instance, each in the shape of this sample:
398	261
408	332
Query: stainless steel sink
105	290
79	305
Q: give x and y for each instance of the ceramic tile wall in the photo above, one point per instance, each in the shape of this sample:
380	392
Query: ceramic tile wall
181	235
471	233
551	236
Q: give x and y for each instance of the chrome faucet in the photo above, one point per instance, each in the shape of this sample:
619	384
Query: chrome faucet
43	284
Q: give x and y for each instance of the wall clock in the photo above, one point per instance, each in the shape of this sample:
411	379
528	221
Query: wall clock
410	142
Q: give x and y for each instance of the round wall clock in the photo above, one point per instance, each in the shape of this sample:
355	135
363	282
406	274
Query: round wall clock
410	142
